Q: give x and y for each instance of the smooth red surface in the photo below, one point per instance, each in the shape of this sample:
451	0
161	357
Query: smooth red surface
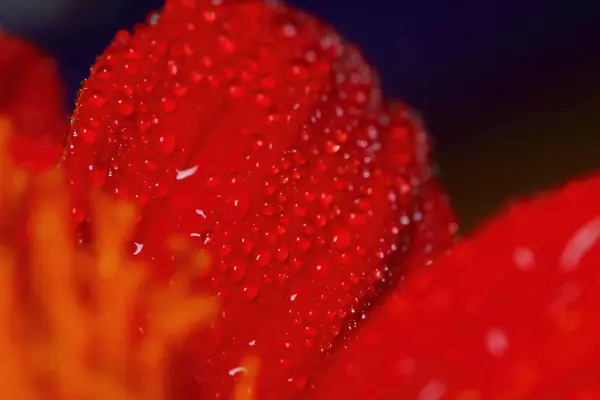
308	190
31	97
510	313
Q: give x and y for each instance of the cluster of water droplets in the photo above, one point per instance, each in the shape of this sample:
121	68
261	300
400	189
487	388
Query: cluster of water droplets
261	136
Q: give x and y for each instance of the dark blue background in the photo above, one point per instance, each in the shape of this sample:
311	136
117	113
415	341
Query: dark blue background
512	75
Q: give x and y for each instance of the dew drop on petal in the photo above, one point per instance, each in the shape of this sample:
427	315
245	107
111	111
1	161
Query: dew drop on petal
582	241
496	342
186	173
434	390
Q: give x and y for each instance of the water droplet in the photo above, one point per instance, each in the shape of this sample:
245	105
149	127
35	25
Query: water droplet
281	253
434	390
247	244
237	91
138	248
88	135
238	271
299	210
262	258
124	107
357	219
179	90
289	30
302	243
341	136
226	44
172	68
321	266
186	173
262	100
250	292
104	72
363	204
239	202
496	342
524	258
167	104
153	18
298	382
580	244
237	370
341	238
257	144
326	199
97	100
332	147
166	144
143	123
211	181
296	262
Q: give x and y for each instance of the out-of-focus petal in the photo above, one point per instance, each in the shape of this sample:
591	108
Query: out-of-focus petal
510	313
31	96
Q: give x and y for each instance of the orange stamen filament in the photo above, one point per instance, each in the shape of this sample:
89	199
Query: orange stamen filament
55	345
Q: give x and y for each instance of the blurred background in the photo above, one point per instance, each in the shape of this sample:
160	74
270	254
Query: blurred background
510	90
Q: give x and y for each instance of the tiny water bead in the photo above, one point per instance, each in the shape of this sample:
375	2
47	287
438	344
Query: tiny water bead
260	125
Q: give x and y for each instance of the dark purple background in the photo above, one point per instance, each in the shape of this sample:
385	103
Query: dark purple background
509	89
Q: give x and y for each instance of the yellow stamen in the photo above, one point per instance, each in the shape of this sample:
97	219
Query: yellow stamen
53	344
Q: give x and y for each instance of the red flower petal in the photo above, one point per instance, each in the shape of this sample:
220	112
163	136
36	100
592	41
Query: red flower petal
259	134
511	313
31	97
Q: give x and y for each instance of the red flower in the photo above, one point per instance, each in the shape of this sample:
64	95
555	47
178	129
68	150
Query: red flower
510	314
256	132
